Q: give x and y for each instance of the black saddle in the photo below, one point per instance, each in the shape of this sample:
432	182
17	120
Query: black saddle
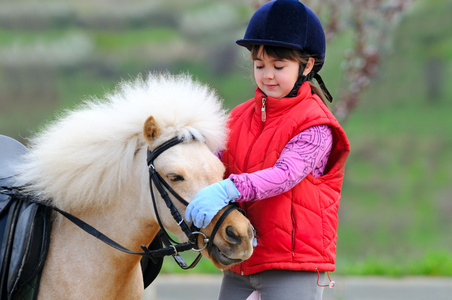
25	231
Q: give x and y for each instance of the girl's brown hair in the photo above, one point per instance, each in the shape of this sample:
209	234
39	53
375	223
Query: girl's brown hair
289	54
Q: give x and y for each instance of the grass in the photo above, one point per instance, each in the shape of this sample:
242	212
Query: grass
396	196
106	40
24	37
395	209
432	263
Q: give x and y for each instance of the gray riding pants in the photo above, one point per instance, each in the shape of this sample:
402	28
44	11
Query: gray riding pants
273	285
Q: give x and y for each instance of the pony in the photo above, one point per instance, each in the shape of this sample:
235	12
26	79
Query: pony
91	163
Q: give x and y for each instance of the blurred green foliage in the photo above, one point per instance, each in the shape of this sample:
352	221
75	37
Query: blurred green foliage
396	204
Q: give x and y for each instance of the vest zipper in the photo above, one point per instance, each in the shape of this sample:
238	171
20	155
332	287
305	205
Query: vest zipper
263	119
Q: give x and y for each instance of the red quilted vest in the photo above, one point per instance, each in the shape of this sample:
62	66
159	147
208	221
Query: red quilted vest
296	230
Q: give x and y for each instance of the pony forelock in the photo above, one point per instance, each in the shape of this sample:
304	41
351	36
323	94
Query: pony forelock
87	157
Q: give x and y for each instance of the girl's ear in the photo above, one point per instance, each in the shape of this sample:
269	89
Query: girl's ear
309	66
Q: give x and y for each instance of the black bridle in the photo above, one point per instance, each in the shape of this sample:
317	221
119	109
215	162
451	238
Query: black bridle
172	247
163	187
191	232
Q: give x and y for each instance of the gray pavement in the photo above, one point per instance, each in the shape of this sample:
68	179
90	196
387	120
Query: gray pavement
205	287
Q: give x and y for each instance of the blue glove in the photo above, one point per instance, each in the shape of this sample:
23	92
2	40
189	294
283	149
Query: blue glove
209	201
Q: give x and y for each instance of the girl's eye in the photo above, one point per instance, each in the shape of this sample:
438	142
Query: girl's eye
279	68
259	67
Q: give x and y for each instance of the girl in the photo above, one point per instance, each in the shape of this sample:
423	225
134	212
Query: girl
285	160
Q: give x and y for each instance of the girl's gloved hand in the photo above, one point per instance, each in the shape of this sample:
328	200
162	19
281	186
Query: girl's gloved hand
209	201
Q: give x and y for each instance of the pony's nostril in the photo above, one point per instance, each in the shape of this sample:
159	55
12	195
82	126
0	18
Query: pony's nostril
232	235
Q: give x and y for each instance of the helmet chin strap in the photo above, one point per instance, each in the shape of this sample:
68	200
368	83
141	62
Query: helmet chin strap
323	87
302	78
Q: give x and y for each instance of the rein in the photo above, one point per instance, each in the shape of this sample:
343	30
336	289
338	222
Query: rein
172	247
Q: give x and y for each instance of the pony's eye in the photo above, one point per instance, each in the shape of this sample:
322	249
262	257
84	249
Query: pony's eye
175	177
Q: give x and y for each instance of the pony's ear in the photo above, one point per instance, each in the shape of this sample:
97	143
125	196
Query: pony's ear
151	130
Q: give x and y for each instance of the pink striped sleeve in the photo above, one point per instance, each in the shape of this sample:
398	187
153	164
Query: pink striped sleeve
305	153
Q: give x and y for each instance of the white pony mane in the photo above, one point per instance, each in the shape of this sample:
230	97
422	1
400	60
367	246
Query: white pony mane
83	158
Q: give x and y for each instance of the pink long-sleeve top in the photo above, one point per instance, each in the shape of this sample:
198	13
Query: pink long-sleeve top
305	153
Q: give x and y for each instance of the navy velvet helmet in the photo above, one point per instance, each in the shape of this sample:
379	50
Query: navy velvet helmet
287	23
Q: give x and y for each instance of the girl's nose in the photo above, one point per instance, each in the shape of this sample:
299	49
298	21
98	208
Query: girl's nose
268	74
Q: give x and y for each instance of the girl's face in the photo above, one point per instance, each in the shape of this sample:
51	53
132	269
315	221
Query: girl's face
275	77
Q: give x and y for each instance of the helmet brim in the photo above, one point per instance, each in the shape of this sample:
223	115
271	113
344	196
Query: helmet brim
249	43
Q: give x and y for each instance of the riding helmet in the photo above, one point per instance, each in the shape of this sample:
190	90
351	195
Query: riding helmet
287	23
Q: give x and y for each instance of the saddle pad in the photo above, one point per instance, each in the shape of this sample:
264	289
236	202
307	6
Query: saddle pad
10	156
